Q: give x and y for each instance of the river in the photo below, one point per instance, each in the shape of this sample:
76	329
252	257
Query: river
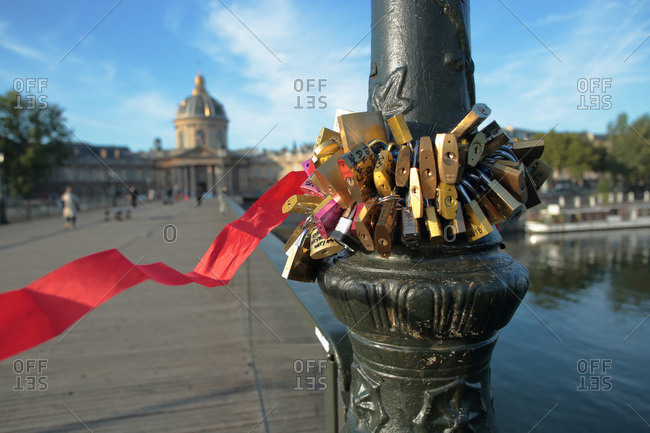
576	355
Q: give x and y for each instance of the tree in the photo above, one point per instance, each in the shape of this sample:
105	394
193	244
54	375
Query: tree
32	138
573	152
631	148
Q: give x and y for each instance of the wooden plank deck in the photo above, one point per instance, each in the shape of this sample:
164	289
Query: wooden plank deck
156	358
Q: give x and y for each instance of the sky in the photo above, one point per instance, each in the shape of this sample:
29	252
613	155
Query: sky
120	68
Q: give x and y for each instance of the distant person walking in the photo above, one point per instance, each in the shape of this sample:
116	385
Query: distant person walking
134	196
70	209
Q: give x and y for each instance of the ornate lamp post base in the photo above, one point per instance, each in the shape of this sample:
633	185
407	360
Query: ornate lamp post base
422	326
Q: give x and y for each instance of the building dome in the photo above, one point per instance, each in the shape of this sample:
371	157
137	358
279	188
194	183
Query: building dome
200	104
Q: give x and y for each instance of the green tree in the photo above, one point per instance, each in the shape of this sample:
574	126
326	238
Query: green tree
573	152
631	148
32	138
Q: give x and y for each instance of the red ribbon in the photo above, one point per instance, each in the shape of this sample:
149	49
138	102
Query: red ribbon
48	306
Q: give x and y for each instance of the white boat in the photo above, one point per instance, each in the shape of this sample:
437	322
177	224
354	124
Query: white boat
554	219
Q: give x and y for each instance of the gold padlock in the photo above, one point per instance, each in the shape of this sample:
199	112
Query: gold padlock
503	201
365	221
434	226
300	266
400	129
361	128
446	201
320	248
477	224
294	236
386	227
327	135
475	149
447	158
512	179
329	179
495	137
539	171
528	150
324	150
383	175
457	223
479	194
415	194
427	164
301	204
357	172
468	124
403	165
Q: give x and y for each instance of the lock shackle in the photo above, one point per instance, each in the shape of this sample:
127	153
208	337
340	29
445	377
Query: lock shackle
377	145
484	177
476	179
465	183
506	153
463	193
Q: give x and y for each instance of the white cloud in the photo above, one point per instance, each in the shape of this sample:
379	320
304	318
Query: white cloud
9	43
533	89
269	83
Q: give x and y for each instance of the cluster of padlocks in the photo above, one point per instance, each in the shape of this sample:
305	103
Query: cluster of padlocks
369	190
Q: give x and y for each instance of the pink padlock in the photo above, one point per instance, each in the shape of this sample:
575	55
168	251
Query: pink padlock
309	188
309	167
326	216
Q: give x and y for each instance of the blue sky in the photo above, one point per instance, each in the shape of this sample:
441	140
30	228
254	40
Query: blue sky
123	82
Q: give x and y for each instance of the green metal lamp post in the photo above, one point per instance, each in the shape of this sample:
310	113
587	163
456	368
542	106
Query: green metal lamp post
423	323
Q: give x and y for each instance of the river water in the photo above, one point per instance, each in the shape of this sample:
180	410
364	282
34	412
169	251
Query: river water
576	355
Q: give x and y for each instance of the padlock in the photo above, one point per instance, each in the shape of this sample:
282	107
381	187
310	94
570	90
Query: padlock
457	224
309	167
300	266
326	135
477	191
294	237
309	188
385	226
446	201
384	173
528	150
361	128
427	165
503	201
326	215
403	165
477	224
400	129
414	201
531	189
364	223
513	179
301	204
433	224
343	231
319	248
339	112
323	151
329	179
356	168
475	149
447	158
410	228
539	171
495	137
377	145
468	124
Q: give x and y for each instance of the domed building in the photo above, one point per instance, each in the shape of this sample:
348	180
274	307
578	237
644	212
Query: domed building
201	120
201	154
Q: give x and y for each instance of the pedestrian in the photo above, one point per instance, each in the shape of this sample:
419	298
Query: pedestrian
70	209
134	196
